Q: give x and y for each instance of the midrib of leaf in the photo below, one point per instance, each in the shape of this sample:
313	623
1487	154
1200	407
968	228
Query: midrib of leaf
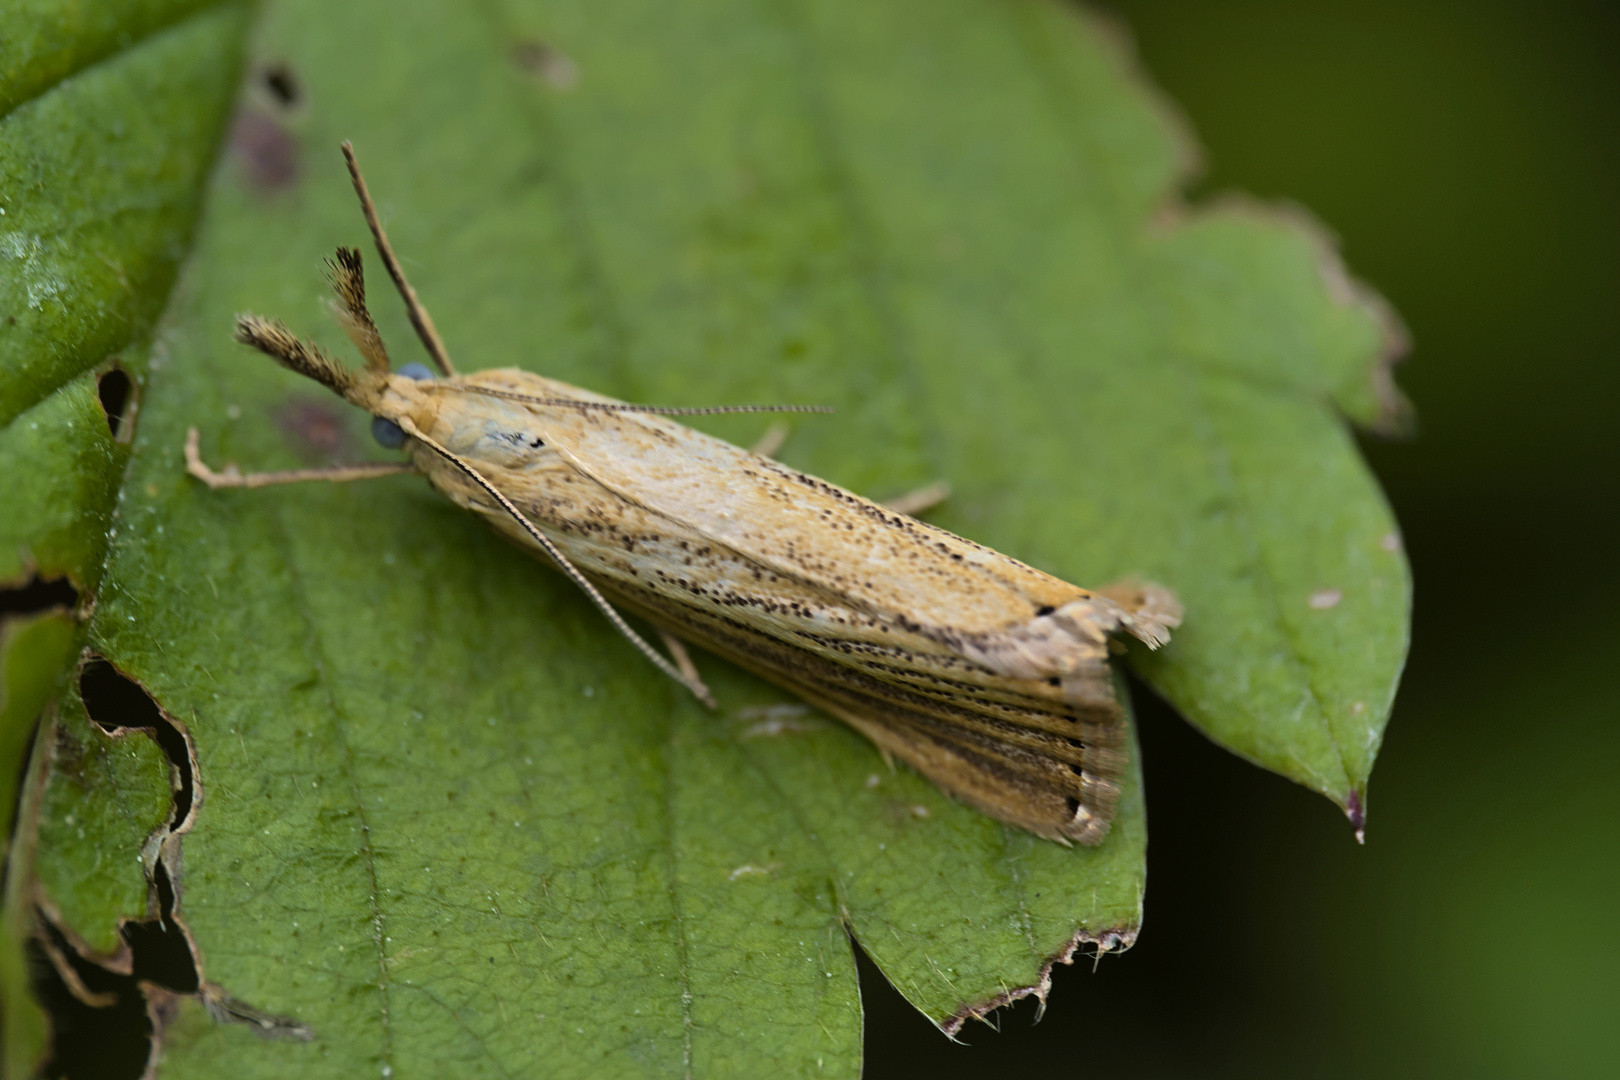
614	338
672	855
1015	879
1256	545
320	660
924	438
612	348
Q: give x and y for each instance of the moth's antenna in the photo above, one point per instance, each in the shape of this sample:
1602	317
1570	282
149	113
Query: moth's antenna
349	282
622	407
273	339
663	664
413	307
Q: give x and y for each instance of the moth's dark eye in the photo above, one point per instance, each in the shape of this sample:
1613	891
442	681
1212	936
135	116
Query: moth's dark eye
387	433
414	371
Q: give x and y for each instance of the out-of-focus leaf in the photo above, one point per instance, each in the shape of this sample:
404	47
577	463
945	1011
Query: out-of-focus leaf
32	651
110	116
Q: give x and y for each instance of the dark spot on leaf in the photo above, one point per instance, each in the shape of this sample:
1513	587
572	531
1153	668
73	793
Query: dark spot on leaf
1043	610
282	84
1054	681
102	1016
115	390
319	430
38	594
553	66
269	155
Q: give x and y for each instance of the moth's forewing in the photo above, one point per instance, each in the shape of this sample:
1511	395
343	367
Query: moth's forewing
986	675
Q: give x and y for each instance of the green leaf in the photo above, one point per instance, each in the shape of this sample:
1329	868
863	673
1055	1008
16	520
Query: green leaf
47	40
106	793
447	818
64	469
98	181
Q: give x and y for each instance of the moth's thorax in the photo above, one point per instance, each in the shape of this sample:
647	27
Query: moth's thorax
402	396
490	431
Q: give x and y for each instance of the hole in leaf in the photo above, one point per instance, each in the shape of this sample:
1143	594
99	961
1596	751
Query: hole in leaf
283	85
108	1016
161	951
38	594
112	1034
117	703
112	1039
113	389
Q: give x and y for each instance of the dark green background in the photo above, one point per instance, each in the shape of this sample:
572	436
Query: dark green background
1468	155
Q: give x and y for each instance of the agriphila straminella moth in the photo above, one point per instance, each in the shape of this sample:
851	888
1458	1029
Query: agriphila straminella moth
985	675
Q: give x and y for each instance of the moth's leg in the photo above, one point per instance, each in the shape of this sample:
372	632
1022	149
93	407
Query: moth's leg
688	670
231	478
770	442
915	502
420	320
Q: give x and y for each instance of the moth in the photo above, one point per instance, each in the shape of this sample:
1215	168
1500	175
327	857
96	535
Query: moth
987	676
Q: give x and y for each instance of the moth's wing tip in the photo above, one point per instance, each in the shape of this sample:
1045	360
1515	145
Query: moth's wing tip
1094	817
1151	610
1087	828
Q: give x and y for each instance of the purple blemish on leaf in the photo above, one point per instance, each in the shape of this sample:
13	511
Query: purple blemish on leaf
1357	815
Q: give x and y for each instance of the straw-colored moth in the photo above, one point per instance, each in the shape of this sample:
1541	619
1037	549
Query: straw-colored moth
987	676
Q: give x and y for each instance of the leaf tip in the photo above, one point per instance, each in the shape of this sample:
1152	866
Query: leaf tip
1357	813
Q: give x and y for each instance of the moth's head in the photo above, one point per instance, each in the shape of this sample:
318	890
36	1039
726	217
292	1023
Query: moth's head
367	386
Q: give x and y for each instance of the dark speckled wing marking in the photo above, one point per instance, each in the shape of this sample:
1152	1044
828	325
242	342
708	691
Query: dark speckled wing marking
986	675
